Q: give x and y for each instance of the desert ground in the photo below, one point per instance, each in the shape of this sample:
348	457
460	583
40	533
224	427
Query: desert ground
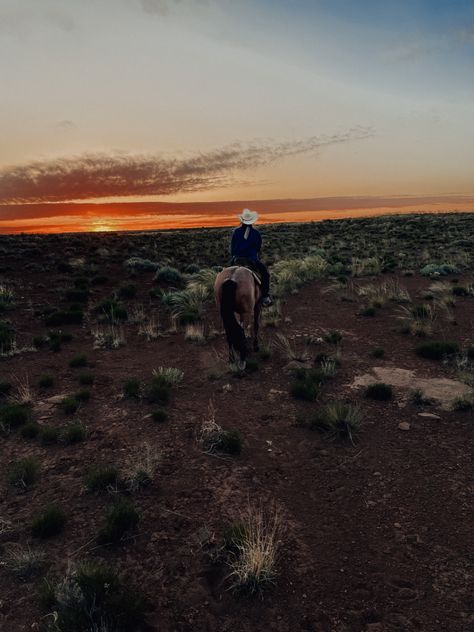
146	484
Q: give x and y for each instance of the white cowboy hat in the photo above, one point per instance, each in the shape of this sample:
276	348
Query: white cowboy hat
248	217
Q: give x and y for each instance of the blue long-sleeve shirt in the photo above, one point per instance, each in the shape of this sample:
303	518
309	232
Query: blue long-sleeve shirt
248	248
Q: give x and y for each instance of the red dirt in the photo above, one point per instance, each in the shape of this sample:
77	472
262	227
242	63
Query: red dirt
378	537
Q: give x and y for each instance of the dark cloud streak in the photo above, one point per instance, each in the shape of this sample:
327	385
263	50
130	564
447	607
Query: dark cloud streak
100	175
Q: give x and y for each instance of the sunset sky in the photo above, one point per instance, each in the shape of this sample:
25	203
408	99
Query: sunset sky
193	101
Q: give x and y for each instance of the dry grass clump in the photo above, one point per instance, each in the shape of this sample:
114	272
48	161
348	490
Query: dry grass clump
194	332
291	274
377	294
140	467
215	439
149	328
110	336
7	295
370	266
256	543
288	349
418	320
168	375
24	393
23	561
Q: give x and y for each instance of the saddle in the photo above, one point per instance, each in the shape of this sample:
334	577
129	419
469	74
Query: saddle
242	262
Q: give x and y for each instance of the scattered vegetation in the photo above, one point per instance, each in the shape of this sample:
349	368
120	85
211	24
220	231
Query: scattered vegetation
437	350
140	467
23	472
92	597
101	478
338	420
131	388
48	522
214	439
120	518
255	542
380	391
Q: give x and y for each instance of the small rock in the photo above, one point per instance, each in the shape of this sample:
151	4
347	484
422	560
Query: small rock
404	425
227	388
429	415
397	525
57	399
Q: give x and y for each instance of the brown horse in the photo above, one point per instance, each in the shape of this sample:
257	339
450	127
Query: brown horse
238	292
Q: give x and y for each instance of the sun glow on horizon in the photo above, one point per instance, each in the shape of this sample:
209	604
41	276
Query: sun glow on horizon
99	226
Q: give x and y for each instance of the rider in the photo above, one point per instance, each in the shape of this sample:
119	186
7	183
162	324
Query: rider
246	244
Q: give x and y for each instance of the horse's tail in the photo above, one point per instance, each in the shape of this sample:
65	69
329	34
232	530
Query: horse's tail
234	332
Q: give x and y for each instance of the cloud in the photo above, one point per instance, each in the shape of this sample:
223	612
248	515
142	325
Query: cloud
65	125
165	7
102	175
20	19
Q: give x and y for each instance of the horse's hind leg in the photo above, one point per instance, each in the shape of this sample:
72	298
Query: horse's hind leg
256	322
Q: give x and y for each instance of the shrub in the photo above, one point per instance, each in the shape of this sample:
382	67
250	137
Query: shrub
157	392
142	265
78	361
379	391
338	420
131	388
159	415
46	381
436	350
73	433
433	269
368	311
49	435
187	306
169	276
101	477
86	379
119	519
23	473
14	415
30	430
48	522
93	598
69	405
333	337
306	384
